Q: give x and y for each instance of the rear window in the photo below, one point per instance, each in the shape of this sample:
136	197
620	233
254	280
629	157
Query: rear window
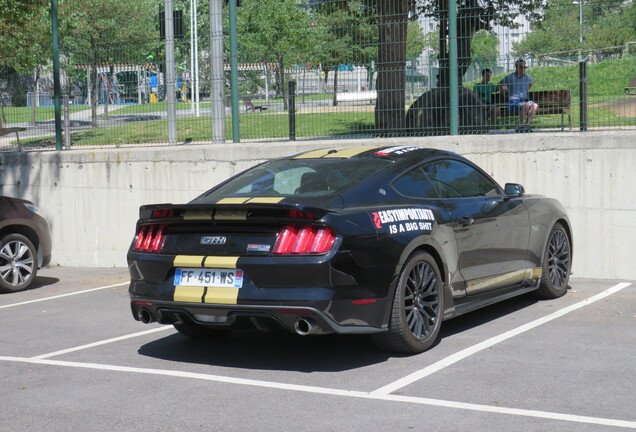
297	178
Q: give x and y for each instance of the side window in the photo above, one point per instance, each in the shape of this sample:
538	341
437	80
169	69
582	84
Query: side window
454	179
415	184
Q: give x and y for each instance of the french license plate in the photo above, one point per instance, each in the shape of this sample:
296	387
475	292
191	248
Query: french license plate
209	277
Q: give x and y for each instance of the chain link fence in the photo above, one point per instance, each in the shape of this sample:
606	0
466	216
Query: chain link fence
323	68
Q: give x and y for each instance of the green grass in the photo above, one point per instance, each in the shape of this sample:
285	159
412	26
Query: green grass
23	114
253	126
606	83
606	79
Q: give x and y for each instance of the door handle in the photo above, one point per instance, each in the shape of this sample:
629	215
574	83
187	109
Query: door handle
465	221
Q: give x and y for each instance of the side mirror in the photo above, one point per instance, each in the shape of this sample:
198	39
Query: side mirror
513	190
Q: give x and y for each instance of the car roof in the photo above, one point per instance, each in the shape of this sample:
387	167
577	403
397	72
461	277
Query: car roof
398	153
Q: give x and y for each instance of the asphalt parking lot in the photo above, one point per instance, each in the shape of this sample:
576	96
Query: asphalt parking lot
73	358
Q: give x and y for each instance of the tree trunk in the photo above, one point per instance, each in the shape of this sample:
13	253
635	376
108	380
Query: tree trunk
280	77
107	83
391	83
95	98
335	87
36	95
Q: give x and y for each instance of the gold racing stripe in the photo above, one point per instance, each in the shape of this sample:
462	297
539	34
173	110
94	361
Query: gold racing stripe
198	215
188	261
232	200
226	262
230	215
350	152
265	200
499	281
189	294
314	154
221	295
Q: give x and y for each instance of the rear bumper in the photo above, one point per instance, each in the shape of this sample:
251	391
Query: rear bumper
290	317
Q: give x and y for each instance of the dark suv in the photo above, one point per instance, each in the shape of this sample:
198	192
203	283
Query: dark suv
25	243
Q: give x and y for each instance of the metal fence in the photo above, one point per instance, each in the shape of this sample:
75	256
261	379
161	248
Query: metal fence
292	69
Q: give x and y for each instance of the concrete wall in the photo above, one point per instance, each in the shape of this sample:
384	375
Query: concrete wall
91	197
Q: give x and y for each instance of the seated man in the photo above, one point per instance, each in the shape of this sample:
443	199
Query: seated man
486	91
518	85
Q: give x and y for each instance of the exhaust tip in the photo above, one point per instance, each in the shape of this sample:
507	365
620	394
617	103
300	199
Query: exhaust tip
145	316
306	326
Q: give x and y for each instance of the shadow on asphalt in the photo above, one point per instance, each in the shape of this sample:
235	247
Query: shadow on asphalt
280	350
42	281
253	349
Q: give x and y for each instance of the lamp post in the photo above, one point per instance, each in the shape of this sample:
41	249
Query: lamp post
580	3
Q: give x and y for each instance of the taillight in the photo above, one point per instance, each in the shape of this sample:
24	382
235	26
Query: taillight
304	240
149	238
161	213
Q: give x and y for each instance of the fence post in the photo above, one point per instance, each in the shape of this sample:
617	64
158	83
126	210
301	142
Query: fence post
217	91
583	95
171	97
67	124
292	110
57	88
453	65
236	131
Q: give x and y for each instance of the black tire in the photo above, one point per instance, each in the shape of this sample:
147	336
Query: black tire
18	263
557	262
196	331
417	310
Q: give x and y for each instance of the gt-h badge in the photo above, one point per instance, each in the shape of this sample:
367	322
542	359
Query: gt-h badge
213	240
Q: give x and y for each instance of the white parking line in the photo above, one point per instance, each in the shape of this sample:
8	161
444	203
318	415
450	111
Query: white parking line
334	392
63	295
450	360
104	342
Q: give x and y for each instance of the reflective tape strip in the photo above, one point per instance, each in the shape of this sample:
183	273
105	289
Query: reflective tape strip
265	200
228	262
198	215
188	261
350	152
232	200
314	154
221	295
189	294
230	215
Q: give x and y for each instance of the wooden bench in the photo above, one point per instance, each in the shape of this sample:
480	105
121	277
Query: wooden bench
7	131
631	87
550	102
250	106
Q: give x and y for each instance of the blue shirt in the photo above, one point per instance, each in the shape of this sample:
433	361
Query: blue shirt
517	87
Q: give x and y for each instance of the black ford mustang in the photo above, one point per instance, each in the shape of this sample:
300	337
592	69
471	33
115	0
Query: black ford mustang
383	240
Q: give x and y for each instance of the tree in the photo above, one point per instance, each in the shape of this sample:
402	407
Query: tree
348	34
105	32
28	52
604	25
416	41
275	31
485	48
472	16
